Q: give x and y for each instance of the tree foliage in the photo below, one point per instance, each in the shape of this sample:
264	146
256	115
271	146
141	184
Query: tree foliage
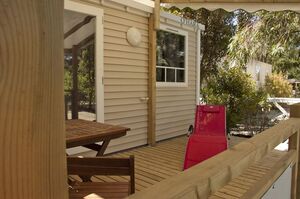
233	39
271	37
237	37
277	86
214	39
85	75
235	89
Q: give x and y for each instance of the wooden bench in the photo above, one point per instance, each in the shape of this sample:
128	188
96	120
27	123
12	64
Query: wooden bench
84	167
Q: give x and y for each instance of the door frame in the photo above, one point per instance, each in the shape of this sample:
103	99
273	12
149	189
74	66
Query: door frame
99	50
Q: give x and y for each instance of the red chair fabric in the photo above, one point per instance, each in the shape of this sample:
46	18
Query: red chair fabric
202	147
209	135
210	120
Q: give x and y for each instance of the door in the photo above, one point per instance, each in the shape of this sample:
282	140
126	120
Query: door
83	47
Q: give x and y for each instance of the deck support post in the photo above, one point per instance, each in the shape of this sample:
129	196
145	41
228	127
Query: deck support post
294	144
32	129
152	83
156	15
154	20
74	95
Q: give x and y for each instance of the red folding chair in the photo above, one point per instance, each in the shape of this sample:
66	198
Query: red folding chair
209	135
210	120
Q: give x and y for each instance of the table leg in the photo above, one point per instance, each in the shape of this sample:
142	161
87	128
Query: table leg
96	147
99	148
103	148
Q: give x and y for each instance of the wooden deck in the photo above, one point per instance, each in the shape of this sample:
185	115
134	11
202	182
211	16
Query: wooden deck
247	171
154	164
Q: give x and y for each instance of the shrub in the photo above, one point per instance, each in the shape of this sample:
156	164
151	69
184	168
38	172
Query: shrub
277	86
235	89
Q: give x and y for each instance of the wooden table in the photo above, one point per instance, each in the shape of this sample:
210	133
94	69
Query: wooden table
87	134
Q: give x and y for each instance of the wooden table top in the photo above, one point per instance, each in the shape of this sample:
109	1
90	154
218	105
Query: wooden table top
82	132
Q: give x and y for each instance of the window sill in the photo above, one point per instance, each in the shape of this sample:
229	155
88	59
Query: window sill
171	84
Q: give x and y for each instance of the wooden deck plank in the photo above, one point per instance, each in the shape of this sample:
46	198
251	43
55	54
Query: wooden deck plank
152	161
225	196
156	163
165	158
149	164
254	177
165	154
236	189
146	179
150	175
231	192
238	185
175	157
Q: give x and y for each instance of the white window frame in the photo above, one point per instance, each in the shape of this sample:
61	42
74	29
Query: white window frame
185	34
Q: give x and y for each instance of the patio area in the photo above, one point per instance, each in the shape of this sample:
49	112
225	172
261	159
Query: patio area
154	164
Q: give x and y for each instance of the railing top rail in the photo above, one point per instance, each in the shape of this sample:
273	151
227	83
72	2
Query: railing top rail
284	100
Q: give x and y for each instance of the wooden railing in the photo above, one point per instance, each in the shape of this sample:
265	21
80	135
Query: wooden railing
205	179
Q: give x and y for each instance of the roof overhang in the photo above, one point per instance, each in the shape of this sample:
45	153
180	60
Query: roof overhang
179	20
71	19
231	5
142	5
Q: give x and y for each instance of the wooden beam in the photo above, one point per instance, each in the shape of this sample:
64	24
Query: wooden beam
32	132
229	1
74	96
81	43
86	41
294	144
295	110
154	21
78	26
152	83
68	50
156	15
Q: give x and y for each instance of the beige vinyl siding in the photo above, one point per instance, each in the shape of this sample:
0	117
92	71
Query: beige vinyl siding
175	106
126	81
125	77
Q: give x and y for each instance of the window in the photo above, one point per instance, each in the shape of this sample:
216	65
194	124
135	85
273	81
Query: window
171	57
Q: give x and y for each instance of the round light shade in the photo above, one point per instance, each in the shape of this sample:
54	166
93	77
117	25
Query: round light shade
134	36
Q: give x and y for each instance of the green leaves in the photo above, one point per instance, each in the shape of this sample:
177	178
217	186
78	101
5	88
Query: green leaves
219	29
277	86
235	89
272	37
86	76
237	37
